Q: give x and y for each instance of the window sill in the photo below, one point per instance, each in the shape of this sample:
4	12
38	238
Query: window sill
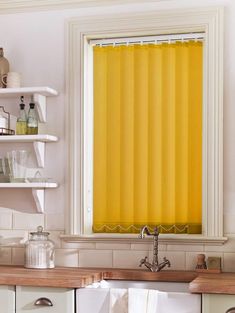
163	239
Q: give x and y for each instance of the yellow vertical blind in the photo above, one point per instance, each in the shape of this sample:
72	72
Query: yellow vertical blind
148	137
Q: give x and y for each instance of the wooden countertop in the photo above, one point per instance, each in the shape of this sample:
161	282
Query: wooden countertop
81	277
213	283
57	277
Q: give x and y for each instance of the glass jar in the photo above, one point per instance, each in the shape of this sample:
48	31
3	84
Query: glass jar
39	250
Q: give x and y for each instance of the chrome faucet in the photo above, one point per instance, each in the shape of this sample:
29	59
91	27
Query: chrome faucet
154	266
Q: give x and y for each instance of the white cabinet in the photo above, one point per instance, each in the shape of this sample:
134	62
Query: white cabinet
23	299
7	299
44	300
218	303
40	95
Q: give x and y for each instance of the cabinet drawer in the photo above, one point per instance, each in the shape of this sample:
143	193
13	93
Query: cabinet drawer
7	299
214	303
44	300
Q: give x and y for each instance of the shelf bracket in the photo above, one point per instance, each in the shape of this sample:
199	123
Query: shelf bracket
39	198
39	148
40	102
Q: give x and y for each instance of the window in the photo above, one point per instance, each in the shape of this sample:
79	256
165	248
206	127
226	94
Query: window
80	33
147	134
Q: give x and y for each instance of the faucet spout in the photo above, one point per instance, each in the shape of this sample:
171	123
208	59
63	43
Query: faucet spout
154	266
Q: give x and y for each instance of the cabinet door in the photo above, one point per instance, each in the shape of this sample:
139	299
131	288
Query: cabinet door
7	299
214	303
44	300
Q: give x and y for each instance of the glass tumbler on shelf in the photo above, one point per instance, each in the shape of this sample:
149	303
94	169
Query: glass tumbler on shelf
17	161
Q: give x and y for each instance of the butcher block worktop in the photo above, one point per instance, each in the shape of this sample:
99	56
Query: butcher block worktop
214	283
81	277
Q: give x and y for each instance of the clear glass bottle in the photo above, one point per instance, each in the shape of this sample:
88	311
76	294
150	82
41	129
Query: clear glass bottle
39	250
4	67
21	123
32	121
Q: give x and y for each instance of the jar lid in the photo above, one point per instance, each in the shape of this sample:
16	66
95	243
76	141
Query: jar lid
40	232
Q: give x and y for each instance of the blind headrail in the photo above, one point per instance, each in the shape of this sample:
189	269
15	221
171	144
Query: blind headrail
148	39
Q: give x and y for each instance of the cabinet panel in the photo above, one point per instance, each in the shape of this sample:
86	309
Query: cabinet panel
32	300
7	299
214	303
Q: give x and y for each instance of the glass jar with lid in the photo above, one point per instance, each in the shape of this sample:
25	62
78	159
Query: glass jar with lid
39	250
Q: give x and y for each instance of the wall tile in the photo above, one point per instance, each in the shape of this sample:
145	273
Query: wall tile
95	258
18	256
229	226
128	259
5	256
54	221
113	246
13	237
66	257
77	245
229	262
27	221
192	247
5	220
146	246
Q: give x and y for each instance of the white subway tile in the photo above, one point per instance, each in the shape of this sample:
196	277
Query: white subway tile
113	246
13	237
66	257
5	220
142	246
54	221
229	223
95	258
77	245
229	262
186	248
18	256
5	256
128	259
27	221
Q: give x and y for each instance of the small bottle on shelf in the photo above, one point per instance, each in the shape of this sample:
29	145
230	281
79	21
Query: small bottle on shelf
21	123
32	121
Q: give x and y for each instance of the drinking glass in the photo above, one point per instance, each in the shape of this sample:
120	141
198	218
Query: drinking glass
17	160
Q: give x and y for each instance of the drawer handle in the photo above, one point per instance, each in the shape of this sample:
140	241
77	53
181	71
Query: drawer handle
43	302
231	310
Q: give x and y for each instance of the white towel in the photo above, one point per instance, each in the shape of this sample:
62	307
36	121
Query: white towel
152	305
118	300
137	300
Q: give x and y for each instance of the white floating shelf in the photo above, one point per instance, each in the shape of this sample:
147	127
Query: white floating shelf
28	138
39	97
12	92
38	143
38	191
29	185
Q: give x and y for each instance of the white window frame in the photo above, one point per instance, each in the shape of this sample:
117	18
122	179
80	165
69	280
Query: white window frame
79	32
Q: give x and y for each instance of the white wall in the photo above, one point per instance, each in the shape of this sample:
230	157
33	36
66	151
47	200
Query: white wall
34	44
